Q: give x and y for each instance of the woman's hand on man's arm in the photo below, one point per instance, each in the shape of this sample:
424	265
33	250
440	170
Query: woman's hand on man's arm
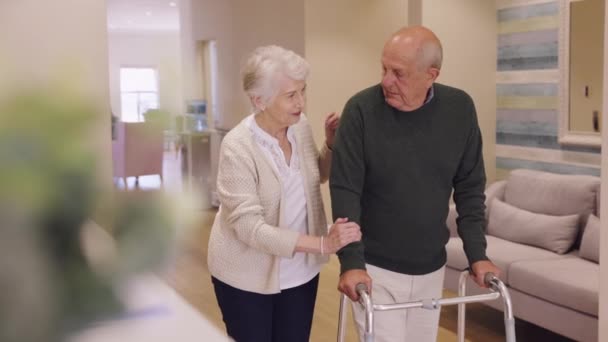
341	233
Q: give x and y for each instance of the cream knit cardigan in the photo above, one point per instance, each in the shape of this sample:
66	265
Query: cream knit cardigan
247	241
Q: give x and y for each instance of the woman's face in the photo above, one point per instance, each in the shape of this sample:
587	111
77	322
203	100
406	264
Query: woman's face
286	107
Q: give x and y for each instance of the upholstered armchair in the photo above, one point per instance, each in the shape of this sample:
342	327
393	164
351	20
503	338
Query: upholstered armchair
137	150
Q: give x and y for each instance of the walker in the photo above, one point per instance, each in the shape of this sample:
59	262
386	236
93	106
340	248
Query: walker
496	286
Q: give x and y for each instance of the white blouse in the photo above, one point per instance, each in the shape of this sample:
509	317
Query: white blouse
293	271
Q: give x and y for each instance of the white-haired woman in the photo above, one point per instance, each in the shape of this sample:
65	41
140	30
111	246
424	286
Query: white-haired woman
270	236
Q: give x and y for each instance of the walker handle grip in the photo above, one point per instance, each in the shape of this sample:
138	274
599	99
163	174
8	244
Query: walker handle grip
488	277
361	287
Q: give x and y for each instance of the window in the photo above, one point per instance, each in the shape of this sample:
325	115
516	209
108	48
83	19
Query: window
138	92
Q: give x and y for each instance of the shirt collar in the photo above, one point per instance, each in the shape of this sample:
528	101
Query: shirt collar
262	134
429	95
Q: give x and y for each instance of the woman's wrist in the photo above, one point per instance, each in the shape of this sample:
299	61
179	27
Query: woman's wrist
315	244
329	147
309	244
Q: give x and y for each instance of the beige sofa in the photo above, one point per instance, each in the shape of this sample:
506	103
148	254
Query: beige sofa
543	233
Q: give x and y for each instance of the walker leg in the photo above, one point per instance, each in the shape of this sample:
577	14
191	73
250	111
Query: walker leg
462	289
342	318
368	334
510	329
366	301
499	286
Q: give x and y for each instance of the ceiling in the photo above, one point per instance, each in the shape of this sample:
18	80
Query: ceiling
143	15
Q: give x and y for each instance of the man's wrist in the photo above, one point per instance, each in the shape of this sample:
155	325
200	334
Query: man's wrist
476	258
351	263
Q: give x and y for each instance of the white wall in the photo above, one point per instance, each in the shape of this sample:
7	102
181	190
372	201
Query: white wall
258	23
208	20
344	40
467	30
61	41
238	26
157	50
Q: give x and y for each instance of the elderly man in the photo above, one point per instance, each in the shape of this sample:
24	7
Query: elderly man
401	149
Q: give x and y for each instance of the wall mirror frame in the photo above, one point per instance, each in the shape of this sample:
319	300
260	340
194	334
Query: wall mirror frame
565	135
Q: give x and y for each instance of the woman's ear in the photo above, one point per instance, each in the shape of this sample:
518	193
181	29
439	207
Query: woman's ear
258	103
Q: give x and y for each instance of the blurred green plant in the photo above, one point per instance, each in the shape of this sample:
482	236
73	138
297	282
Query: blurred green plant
49	188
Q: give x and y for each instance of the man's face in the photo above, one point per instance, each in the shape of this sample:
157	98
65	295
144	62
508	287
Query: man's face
404	83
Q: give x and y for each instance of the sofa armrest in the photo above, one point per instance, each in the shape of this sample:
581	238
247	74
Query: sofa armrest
495	190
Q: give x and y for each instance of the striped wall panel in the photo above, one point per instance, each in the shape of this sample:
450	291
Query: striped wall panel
525	12
540	141
528	37
530	89
510	164
527	93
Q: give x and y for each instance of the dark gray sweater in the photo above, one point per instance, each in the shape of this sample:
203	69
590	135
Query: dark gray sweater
393	173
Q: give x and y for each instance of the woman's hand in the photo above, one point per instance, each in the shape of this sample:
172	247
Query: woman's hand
341	234
331	125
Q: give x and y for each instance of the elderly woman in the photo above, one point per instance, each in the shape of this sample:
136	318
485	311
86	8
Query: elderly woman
270	236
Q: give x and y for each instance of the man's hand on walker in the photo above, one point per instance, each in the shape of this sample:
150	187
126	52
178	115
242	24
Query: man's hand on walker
479	270
349	281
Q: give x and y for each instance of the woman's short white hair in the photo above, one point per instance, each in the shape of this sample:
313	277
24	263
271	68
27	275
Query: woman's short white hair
263	67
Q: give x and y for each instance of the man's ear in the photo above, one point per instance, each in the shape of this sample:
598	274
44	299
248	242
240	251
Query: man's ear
433	73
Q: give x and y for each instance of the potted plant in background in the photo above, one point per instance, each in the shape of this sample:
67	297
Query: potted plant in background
50	191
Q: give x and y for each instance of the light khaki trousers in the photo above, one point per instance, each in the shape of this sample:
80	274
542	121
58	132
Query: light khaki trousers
411	325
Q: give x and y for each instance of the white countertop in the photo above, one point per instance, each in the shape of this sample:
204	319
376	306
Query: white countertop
154	312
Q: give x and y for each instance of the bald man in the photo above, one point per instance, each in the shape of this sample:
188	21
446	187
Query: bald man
401	149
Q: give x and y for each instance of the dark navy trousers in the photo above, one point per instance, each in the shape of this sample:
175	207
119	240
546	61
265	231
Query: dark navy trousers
254	317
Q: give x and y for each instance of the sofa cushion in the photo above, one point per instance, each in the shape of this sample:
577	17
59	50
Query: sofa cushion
555	233
569	282
590	246
502	252
552	194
